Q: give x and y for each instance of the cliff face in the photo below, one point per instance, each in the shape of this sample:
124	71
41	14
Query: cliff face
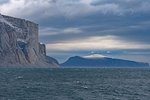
19	44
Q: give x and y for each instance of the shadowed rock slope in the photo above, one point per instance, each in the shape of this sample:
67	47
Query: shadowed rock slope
19	44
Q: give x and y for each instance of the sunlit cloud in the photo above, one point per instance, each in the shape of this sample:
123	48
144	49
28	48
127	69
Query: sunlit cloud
96	43
56	31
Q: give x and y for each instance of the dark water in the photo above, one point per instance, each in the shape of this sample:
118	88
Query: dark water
74	84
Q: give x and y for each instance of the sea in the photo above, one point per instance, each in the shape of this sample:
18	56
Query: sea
75	84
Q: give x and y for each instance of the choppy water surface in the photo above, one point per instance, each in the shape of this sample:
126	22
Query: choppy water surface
74	84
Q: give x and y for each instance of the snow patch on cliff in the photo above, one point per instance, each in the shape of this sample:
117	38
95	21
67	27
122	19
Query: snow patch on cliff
21	40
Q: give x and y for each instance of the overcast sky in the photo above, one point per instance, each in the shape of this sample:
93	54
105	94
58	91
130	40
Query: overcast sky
114	28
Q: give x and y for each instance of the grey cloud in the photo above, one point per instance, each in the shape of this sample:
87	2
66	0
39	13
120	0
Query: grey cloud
72	9
125	7
3	1
131	28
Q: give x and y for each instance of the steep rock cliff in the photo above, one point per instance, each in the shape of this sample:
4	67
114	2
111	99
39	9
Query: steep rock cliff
19	44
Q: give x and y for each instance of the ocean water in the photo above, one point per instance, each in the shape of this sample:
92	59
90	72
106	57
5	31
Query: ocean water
75	84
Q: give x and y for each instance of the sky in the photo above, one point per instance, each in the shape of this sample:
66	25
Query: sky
112	28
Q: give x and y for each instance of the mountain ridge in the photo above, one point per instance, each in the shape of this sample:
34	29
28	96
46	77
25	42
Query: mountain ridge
78	61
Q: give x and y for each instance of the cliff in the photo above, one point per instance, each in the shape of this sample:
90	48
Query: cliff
19	44
101	62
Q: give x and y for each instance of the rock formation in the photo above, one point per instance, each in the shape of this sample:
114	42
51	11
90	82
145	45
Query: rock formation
19	44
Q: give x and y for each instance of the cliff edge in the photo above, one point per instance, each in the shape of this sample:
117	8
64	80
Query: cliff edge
19	44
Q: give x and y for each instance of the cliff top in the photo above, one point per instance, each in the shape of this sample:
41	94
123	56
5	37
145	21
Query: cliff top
8	17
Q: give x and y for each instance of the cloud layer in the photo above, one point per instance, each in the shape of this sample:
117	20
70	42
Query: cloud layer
72	8
86	25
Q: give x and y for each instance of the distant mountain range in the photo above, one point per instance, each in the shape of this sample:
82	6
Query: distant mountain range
90	61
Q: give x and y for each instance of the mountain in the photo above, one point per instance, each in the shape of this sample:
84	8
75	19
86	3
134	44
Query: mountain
19	44
90	61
